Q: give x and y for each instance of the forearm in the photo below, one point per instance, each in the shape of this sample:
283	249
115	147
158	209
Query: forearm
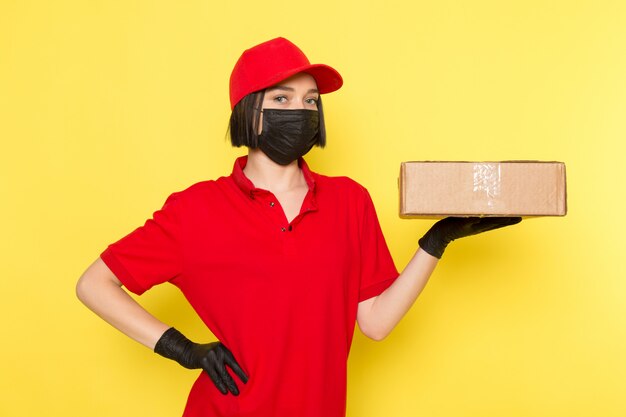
102	293
387	309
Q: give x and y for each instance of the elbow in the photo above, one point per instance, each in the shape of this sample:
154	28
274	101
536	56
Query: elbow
370	324
82	289
378	336
375	333
97	278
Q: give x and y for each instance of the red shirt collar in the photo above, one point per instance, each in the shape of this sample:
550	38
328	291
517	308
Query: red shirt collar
248	187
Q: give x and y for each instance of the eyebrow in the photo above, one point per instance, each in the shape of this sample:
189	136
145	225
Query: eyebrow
285	88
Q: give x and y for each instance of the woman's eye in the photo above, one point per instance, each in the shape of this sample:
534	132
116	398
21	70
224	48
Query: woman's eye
280	99
311	101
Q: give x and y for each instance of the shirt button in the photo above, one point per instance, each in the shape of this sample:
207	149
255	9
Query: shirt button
282	229
272	204
289	228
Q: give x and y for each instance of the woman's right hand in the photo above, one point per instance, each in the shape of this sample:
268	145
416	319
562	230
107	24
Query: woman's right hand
100	290
212	357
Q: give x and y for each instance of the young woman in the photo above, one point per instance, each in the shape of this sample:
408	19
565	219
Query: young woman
277	260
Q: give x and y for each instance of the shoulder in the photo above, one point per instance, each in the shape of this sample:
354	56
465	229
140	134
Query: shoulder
338	182
341	185
344	192
201	189
197	193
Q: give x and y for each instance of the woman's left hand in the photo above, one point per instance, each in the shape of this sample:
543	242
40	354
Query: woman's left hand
446	230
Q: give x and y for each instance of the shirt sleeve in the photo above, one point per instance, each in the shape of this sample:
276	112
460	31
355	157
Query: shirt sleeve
378	271
150	254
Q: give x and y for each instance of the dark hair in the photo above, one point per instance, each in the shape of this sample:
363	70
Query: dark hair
244	121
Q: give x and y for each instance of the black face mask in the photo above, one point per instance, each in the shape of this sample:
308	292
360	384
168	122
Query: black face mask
288	134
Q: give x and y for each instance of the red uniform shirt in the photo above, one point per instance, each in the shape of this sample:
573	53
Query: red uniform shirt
281	296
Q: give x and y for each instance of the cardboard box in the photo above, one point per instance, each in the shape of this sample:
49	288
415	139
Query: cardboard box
435	189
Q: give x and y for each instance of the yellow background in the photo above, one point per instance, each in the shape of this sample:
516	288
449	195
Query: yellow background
106	107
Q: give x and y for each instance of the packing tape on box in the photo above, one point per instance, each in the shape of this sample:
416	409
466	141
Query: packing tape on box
487	179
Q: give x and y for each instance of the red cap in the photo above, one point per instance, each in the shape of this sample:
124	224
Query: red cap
273	61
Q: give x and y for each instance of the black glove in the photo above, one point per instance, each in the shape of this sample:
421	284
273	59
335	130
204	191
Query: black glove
212	357
446	230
